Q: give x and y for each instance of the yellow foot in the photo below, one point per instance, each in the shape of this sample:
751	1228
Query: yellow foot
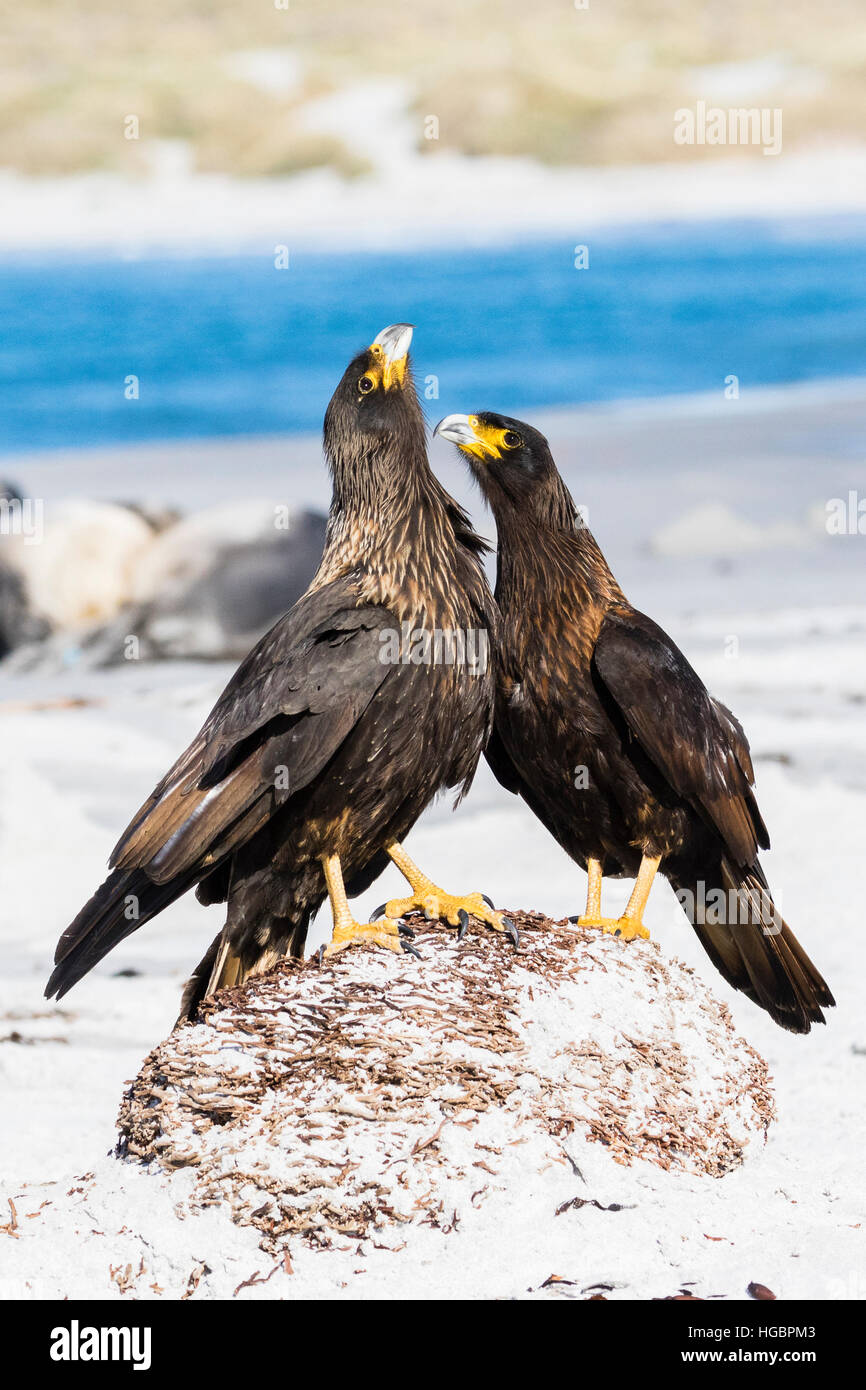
626	927
379	933
454	909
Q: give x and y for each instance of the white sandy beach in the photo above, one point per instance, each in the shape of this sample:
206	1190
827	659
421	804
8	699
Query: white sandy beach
412	200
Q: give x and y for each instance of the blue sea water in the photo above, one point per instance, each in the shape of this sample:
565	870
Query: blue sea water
232	345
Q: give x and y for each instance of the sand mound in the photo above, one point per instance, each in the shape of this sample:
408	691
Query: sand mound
372	1092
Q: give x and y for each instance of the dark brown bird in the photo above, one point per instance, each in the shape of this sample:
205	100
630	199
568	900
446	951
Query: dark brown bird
610	736
337	730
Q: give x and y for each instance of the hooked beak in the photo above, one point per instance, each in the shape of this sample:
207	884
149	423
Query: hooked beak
391	347
462	431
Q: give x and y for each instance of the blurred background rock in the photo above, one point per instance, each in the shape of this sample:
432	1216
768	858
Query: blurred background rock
108	583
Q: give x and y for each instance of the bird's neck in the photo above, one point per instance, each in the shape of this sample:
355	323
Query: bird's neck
549	575
409	547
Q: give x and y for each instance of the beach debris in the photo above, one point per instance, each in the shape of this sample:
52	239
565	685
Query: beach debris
362	1095
10	1228
760	1292
575	1203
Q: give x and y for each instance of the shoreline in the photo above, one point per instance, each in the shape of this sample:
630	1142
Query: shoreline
180	454
700	503
403	203
758	400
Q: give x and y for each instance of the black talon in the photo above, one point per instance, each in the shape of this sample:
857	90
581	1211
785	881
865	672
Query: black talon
404	929
574	919
512	930
410	949
320	955
463	919
491	905
380	912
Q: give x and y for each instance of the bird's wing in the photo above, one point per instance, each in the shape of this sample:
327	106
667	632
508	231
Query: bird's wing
280	719
691	739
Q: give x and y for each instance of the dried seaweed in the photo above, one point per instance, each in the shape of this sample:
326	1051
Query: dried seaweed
330	1102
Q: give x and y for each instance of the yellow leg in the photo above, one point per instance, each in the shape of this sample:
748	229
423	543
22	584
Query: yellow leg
434	902
592	917
593	887
630	924
346	929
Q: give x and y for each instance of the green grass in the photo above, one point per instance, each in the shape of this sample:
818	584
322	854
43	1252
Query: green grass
503	77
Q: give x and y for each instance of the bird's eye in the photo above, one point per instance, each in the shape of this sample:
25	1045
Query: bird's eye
365	385
511	440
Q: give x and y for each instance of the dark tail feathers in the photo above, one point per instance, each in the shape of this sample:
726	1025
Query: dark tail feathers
223	967
752	946
125	901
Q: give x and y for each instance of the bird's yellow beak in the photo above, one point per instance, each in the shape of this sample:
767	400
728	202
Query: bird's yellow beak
391	349
471	435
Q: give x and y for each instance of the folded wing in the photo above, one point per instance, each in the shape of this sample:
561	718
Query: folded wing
691	739
286	711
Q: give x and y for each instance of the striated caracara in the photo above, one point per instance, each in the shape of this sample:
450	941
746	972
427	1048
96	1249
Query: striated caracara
611	738
337	730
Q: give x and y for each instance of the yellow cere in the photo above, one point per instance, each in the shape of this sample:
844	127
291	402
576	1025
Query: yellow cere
384	372
489	439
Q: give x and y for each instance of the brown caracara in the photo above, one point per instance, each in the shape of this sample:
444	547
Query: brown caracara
337	730
610	736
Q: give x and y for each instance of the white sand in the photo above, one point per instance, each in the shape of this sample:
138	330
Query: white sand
436	200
